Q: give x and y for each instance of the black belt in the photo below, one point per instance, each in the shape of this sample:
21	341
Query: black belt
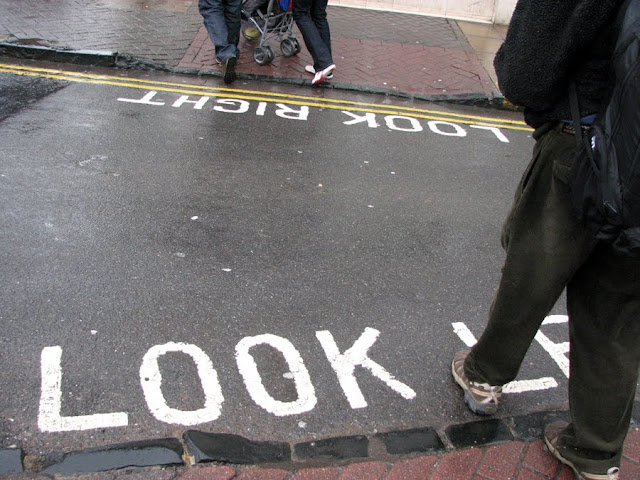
568	128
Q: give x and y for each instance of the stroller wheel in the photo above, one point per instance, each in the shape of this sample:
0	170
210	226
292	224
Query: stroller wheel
297	44
289	47
263	55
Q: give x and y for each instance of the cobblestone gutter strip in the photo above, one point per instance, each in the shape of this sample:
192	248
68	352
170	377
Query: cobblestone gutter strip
202	447
98	58
92	58
10	461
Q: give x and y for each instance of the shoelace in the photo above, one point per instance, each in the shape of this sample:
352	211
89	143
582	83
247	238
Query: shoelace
486	389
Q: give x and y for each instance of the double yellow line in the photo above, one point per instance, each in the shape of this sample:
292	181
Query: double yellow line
240	94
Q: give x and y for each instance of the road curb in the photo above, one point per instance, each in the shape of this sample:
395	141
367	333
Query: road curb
199	447
203	447
98	58
11	461
89	58
94	58
148	453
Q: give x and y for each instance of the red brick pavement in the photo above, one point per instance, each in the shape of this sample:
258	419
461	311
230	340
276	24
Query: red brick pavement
369	64
507	461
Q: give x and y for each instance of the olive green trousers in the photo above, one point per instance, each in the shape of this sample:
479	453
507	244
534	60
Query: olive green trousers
547	250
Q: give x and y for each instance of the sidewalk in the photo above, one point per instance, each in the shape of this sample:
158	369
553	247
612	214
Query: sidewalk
375	52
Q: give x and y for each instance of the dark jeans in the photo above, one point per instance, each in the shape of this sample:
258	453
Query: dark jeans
311	18
547	250
222	21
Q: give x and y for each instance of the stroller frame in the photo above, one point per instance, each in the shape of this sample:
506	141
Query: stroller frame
274	23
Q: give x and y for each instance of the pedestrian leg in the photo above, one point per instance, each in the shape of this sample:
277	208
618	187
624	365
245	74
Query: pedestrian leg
317	47
604	312
213	13
233	14
545	246
319	16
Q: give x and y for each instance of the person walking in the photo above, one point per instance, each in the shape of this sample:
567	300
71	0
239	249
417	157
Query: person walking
311	18
222	20
551	47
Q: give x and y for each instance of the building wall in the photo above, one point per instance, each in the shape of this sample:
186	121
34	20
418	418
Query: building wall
486	11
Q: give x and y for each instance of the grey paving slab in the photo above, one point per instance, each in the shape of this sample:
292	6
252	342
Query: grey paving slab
156	33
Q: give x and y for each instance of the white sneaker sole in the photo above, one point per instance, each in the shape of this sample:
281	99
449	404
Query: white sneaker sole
312	71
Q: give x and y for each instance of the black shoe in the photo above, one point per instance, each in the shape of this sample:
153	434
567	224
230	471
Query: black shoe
230	70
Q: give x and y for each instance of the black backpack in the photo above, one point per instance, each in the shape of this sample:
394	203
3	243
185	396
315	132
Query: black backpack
605	182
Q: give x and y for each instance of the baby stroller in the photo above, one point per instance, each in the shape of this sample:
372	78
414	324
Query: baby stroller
272	18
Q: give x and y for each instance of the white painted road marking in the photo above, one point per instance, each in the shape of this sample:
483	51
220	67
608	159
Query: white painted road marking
298	372
345	363
397	123
151	381
557	351
49	417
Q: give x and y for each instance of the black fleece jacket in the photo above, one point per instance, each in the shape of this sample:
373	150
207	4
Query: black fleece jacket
551	43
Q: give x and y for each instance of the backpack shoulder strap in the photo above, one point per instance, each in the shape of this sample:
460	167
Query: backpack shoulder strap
575	112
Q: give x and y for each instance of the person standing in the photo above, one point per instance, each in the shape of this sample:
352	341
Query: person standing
222	21
311	18
552	47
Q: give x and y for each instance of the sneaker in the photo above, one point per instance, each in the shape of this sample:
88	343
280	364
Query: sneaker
230	70
552	434
251	33
312	71
481	398
323	75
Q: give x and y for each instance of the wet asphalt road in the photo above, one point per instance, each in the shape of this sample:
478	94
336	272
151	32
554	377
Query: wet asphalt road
152	246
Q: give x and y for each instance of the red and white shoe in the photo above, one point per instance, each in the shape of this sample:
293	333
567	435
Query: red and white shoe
323	75
312	71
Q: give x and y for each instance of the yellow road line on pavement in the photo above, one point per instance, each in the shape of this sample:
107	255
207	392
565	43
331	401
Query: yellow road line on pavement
241	94
267	94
